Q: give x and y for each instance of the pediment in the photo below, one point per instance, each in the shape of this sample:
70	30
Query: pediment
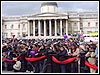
49	15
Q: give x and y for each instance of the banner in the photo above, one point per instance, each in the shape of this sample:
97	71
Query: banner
87	39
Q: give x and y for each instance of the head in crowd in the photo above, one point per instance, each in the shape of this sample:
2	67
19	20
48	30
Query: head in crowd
62	48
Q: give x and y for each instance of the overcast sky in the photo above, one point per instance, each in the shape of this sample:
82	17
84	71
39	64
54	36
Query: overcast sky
23	8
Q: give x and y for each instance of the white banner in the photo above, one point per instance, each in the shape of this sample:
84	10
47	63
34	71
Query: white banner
87	39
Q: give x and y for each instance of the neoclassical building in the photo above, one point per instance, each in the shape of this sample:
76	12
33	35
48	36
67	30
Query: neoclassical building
49	23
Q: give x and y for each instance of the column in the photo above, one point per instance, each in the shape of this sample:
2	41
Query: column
44	27
28	28
49	27
72	29
33	27
60	27
66	27
31	30
55	27
21	30
78	26
39	31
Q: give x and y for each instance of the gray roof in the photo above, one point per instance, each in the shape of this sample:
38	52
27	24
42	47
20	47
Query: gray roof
49	3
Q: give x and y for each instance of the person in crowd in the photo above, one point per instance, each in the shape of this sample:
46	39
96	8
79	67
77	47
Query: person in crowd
87	46
35	47
59	48
65	36
96	52
62	56
41	52
55	51
83	51
91	57
22	58
78	36
66	48
74	52
17	65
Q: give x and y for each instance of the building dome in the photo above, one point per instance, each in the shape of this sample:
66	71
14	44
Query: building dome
49	4
49	7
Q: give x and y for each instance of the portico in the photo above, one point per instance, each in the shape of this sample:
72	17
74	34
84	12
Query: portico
47	27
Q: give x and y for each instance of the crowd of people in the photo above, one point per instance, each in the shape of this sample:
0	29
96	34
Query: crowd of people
62	49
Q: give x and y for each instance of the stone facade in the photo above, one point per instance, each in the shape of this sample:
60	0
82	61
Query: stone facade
49	23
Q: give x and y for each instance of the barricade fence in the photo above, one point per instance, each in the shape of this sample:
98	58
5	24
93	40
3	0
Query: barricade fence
47	64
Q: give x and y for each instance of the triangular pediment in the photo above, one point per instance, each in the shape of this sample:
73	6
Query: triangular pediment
49	15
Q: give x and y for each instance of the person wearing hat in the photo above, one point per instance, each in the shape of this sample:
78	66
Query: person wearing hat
17	65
